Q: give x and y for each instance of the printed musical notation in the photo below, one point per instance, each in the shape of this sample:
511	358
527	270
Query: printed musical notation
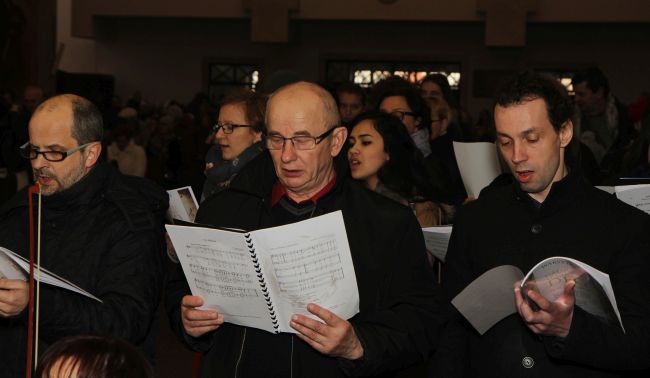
221	272
309	273
225	290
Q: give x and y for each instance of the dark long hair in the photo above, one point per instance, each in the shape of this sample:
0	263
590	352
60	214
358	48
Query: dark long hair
404	173
94	356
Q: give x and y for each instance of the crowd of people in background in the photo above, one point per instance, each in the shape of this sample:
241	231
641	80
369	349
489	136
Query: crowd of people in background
394	139
171	144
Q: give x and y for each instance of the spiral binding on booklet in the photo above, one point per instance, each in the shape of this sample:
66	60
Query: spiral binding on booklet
260	279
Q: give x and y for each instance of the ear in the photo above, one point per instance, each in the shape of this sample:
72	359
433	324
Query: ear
258	136
566	133
339	137
92	154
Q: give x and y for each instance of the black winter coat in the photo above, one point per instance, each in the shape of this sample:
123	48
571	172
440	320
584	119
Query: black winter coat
504	227
104	234
400	308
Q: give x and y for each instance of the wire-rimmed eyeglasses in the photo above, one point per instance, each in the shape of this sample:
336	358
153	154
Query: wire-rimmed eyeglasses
300	142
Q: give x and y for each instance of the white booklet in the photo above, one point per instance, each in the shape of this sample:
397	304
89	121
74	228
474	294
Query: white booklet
261	278
437	240
490	297
182	204
478	164
16	267
635	195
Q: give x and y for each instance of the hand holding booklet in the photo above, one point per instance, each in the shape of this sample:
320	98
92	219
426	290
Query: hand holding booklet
490	297
261	278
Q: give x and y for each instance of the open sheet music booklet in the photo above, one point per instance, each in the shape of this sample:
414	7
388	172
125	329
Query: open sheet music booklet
261	278
490	297
15	267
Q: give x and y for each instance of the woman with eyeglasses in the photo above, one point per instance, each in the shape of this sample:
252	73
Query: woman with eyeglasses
383	156
401	99
237	136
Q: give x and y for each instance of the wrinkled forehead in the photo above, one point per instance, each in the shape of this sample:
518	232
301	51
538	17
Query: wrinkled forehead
51	126
289	115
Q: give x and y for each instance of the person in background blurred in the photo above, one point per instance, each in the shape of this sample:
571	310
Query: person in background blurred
351	100
130	158
238	138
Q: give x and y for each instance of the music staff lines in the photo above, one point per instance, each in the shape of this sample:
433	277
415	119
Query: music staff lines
225	290
221	275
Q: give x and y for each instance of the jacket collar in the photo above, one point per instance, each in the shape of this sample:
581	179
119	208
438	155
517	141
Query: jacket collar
562	194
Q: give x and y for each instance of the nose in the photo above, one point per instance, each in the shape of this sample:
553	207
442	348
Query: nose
288	151
519	153
220	134
39	162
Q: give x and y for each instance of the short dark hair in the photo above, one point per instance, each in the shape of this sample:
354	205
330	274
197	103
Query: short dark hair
94	356
594	77
347	87
254	106
396	86
529	85
405	172
87	121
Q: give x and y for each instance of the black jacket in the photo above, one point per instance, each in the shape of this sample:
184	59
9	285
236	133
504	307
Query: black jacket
504	226
400	308
105	235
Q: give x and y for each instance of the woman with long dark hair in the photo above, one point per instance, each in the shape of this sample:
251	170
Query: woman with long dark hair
382	155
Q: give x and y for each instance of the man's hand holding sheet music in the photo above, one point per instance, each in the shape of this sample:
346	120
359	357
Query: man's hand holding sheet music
14	296
551	318
334	336
198	322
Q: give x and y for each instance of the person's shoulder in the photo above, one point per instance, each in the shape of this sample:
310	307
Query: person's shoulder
15	203
372	203
141	202
616	210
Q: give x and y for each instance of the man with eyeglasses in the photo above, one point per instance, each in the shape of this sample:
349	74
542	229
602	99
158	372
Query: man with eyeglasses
301	177
100	230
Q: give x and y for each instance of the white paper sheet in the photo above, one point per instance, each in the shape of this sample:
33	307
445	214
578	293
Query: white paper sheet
478	164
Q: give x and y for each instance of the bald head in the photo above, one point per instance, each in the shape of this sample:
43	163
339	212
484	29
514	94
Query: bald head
87	123
312	98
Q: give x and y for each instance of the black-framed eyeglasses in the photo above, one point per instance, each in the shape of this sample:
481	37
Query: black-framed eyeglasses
228	128
300	142
29	152
401	114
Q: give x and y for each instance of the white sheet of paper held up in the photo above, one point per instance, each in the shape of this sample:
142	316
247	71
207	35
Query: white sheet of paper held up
478	164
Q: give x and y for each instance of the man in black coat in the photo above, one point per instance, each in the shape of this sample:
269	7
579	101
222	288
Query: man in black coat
400	310
547	210
100	230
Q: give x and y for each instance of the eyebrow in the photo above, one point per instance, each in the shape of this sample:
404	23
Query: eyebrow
523	133
297	133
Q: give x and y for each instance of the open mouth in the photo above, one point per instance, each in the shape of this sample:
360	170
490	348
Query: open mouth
524	176
354	163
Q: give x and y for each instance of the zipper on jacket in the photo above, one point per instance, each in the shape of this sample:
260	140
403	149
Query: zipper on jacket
241	352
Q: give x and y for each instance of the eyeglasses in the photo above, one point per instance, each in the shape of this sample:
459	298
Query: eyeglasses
300	142
400	114
228	128
29	152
